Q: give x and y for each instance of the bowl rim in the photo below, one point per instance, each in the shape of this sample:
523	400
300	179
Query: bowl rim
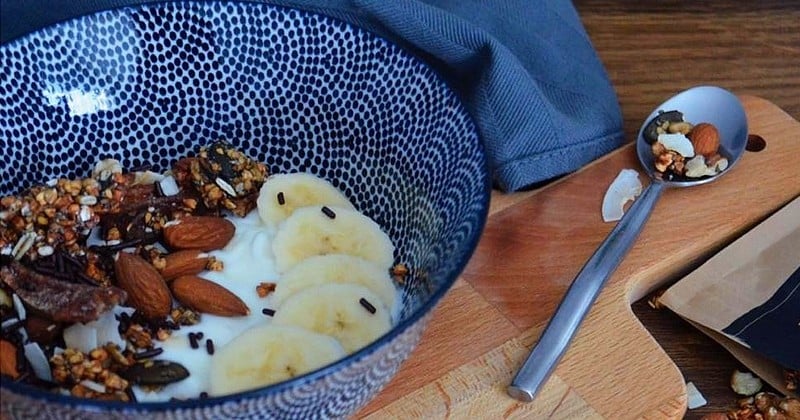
470	245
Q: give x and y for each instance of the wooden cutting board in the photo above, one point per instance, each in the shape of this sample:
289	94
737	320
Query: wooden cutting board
534	245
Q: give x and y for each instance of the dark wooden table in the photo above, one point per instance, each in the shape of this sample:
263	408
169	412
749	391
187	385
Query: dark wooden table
655	49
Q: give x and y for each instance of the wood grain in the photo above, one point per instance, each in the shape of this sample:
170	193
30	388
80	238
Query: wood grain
531	250
652	50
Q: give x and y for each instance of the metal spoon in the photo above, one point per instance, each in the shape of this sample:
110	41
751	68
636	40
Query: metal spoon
699	104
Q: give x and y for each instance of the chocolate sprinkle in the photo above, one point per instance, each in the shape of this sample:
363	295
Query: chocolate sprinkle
328	212
210	346
199	335
203	395
281	199
368	306
148	354
193	341
268	312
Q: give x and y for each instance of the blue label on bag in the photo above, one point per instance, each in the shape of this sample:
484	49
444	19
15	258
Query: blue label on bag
773	329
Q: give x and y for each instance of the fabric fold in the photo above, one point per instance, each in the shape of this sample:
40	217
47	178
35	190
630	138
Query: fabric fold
527	71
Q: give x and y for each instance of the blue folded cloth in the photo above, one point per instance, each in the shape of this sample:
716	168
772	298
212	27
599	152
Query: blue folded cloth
526	70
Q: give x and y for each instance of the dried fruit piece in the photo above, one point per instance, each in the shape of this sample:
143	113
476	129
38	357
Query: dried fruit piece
8	359
42	330
60	300
207	297
147	290
205	233
184	263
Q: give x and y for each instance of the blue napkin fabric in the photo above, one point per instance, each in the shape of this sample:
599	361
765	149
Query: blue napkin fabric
526	70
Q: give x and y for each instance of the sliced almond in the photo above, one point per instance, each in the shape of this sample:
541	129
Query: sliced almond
207	297
205	233
147	290
184	263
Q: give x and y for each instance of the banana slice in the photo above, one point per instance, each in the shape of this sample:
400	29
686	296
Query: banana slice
294	191
338	268
265	355
350	313
326	230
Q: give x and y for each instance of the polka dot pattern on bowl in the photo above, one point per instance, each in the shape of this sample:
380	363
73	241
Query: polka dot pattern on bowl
299	91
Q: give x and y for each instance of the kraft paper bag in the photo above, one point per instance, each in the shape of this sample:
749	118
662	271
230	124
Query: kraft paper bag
747	297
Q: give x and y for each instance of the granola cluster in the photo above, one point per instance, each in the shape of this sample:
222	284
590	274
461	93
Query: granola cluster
224	177
58	243
92	375
766	406
49	216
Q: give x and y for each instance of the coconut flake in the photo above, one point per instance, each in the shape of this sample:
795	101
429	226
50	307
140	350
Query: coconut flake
18	306
626	187
85	214
94	238
108	330
146	178
94	386
9	321
160	247
105	168
695	398
38	361
86	337
677	143
225	187
82	337
45	251
169	186
119	310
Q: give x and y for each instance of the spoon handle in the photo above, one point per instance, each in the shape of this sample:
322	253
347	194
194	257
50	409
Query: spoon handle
580	297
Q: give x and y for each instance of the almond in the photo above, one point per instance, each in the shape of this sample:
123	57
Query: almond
205	233
147	290
705	139
8	359
207	297
184	263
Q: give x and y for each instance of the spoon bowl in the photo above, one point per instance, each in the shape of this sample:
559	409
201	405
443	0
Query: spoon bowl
709	104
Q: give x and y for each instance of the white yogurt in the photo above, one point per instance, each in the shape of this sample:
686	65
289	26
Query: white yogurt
248	261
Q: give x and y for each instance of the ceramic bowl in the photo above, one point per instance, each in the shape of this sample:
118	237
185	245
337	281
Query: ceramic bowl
299	91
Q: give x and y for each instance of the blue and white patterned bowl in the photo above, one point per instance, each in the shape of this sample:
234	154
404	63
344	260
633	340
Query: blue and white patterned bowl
297	90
